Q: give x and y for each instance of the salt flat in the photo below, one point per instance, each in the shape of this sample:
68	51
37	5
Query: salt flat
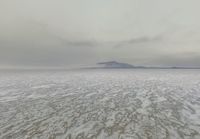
100	104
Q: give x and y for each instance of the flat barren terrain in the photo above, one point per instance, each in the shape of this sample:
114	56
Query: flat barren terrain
100	104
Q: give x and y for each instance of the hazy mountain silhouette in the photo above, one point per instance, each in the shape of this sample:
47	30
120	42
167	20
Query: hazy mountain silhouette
114	64
120	65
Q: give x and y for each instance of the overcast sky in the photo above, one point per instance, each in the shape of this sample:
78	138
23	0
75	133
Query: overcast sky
72	33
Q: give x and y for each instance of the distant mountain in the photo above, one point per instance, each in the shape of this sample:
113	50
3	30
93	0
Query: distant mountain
114	64
120	65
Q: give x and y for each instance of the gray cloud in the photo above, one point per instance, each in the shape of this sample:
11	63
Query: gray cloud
36	45
73	33
139	40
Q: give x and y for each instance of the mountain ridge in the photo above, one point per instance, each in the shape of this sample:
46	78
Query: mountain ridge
121	65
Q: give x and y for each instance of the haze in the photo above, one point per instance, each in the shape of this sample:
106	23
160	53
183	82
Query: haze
74	33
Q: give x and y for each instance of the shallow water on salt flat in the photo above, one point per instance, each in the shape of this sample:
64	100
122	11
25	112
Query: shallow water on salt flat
100	104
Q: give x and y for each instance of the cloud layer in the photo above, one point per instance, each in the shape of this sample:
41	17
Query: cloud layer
68	33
